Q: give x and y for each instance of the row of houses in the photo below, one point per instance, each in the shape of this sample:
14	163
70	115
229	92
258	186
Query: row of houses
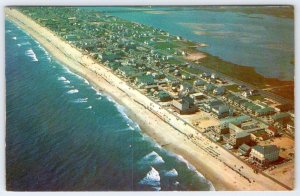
248	106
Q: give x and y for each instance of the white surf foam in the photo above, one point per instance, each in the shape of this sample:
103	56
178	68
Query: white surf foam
90	107
152	178
73	91
15	38
192	168
171	173
45	51
85	81
62	78
24	44
152	159
31	54
67	81
81	100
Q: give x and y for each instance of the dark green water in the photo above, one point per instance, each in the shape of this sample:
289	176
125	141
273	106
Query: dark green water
62	135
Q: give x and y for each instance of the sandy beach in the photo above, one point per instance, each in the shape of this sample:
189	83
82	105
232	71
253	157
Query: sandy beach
224	170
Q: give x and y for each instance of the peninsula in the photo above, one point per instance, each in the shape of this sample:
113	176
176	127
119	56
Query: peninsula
239	136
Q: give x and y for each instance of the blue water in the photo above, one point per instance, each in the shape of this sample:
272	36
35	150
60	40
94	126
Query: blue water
260	41
64	135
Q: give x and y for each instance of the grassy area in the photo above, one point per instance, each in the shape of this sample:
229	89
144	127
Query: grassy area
286	92
192	70
165	45
248	75
277	11
257	97
233	88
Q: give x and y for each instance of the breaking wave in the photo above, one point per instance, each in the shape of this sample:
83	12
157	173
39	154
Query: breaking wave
62	78
171	173
24	44
192	168
73	91
152	178
81	100
31	54
152	159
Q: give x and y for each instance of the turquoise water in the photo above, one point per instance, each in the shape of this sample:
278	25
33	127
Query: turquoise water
260	41
61	134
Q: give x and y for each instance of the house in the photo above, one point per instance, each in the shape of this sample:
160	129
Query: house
281	117
127	71
221	111
209	87
211	104
261	135
264	155
144	80
185	105
272	131
185	89
205	75
219	91
239	102
264	111
244	150
164	96
198	96
199	82
186	77
239	138
248	93
242	87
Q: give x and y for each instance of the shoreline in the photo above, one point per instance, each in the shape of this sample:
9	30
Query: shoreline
102	78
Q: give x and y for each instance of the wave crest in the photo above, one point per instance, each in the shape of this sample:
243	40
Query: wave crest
31	54
73	91
152	178
152	159
171	173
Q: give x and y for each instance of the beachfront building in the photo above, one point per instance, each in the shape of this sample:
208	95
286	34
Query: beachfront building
185	105
244	150
164	96
238	136
264	155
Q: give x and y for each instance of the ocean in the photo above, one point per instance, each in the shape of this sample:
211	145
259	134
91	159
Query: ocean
63	135
256	40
